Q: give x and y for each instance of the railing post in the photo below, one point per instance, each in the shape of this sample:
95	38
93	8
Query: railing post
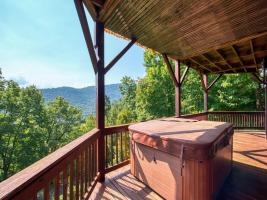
265	85
206	94
100	96
177	89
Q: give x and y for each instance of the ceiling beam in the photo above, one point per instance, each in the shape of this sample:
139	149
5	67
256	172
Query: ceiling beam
239	68
237	55
200	65
211	62
228	64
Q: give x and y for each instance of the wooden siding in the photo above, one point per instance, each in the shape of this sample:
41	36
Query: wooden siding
248	179
212	36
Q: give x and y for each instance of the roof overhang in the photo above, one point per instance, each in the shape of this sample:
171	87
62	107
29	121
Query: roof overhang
216	36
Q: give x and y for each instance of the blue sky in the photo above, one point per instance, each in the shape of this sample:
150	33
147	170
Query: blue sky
41	43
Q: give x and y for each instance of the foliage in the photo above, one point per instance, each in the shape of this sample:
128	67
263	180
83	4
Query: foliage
63	121
29	129
235	92
155	92
123	111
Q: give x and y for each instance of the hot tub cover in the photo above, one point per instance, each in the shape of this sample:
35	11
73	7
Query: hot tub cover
197	139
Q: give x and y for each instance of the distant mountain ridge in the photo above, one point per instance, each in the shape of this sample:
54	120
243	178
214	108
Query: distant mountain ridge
84	98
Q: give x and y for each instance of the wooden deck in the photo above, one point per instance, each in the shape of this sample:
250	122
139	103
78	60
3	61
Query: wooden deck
248	180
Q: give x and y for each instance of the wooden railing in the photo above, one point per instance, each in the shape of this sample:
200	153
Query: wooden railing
241	120
71	172
197	116
117	147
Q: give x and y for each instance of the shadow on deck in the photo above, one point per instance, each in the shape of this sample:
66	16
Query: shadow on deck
247	181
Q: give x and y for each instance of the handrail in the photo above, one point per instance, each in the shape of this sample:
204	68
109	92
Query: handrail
38	176
197	116
235	112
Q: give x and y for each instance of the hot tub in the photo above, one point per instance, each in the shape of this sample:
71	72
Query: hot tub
182	158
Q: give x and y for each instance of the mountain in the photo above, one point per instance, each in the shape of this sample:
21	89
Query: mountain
83	98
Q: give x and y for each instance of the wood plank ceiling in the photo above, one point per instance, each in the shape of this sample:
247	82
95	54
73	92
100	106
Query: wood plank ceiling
212	36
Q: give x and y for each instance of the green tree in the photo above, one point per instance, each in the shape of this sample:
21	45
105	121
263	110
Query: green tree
234	92
21	122
89	124
123	111
155	92
63	123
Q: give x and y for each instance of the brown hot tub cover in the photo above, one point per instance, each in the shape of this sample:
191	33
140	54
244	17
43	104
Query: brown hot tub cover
197	139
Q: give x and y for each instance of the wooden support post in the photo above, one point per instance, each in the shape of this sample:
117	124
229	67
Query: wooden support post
264	63
86	32
177	89
206	92
100	97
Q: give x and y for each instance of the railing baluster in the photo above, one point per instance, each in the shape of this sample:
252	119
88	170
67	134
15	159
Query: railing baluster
77	177
86	168
111	148
121	147
125	144
117	153
56	187
46	191
106	150
65	183
82	173
90	164
71	179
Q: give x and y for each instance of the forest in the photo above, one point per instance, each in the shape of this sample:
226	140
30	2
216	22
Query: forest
31	128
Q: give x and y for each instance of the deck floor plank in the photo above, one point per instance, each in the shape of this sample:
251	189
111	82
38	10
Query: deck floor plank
248	180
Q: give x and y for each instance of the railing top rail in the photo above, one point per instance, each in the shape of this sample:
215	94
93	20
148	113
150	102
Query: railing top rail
236	112
22	179
116	128
195	114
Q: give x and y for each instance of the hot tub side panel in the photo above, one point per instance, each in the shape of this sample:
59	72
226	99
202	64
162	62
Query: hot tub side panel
197	180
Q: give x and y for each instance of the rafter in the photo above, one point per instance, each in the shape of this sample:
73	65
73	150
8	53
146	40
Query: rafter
169	67
213	64
239	68
200	65
116	59
237	55
86	32
228	64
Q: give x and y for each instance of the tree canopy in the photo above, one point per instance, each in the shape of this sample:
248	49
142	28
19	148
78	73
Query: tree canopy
30	128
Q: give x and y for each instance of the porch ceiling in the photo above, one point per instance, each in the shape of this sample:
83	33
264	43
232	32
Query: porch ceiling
216	36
